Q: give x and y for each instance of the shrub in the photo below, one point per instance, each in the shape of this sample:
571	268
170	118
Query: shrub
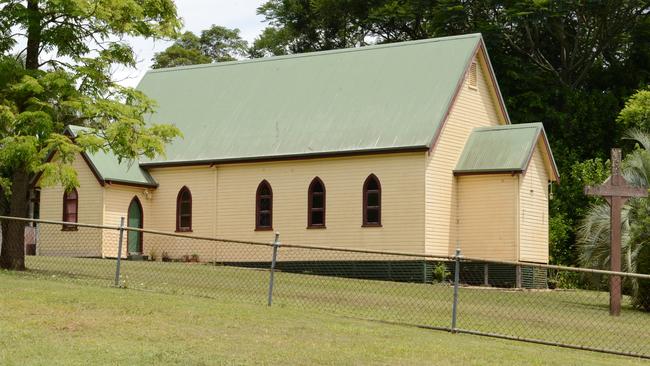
165	257
440	273
566	280
153	254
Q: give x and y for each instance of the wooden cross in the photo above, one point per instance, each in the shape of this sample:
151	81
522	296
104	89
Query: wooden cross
616	191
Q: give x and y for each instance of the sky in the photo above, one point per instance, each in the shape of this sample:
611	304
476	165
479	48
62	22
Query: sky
197	15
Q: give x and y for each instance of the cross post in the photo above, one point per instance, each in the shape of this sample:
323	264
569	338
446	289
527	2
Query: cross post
616	191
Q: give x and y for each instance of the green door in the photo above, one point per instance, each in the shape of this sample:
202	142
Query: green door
134	238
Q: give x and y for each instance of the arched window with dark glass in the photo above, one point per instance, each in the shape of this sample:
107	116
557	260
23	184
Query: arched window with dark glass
70	208
184	210
316	204
372	201
264	207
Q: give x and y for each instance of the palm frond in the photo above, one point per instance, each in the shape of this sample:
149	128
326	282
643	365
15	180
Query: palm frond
640	136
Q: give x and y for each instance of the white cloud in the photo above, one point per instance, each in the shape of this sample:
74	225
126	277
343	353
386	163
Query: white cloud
197	15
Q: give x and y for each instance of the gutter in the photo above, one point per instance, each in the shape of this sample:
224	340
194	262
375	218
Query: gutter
302	156
487	171
130	183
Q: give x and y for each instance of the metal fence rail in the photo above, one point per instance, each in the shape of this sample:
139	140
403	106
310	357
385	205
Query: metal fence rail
547	304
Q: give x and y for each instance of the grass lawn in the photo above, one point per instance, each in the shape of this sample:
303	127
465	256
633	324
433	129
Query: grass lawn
573	317
46	322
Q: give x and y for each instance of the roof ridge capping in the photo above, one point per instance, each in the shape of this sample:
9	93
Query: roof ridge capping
372	47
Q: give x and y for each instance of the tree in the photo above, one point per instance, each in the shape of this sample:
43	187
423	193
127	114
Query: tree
69	49
304	25
563	39
222	44
636	114
185	51
216	44
272	42
570	64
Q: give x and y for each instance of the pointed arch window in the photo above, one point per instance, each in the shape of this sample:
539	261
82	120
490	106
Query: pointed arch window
70	209
371	201
264	207
316	204
135	219
184	210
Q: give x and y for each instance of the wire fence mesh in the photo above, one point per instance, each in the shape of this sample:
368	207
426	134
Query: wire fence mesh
576	313
546	304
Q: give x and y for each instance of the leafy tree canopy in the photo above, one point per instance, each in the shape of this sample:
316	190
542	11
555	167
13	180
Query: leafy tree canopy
186	50
636	114
56	58
216	44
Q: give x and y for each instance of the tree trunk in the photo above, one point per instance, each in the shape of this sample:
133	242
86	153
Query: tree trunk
33	35
4	224
12	255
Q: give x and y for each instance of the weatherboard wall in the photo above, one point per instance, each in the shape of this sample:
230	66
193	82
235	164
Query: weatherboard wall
402	196
223	205
84	242
161	216
487	216
473	107
533	210
117	199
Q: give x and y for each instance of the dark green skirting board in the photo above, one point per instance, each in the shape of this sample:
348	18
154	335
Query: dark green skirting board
499	275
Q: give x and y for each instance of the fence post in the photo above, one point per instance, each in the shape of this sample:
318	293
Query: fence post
276	245
454	308
36	238
119	253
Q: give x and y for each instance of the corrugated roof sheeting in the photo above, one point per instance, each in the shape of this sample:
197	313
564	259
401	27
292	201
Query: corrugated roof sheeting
362	99
501	148
109	169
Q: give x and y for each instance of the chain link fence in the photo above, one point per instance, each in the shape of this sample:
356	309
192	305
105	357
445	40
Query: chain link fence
532	302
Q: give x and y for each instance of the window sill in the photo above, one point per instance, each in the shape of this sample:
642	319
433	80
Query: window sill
183	230
70	228
263	229
371	225
317	227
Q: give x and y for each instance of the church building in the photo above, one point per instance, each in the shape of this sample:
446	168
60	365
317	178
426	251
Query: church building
403	147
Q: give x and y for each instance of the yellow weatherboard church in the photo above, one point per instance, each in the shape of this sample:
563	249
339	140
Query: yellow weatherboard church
404	147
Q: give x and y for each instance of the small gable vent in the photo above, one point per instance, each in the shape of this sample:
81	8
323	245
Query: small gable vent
472	78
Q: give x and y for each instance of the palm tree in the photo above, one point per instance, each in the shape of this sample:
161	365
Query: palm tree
594	230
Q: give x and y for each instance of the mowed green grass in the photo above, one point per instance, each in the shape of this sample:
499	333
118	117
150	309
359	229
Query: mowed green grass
576	317
48	322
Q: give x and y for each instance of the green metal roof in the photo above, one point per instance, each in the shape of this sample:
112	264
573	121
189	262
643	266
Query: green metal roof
506	148
106	167
373	98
